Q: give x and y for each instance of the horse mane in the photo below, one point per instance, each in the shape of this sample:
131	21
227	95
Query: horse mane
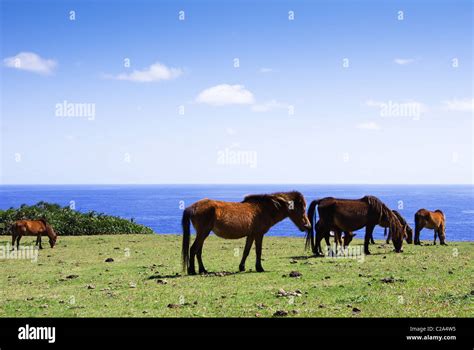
439	211
277	200
49	228
43	220
385	213
252	198
400	217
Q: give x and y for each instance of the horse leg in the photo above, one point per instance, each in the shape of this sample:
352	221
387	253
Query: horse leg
319	237
435	234
258	250
38	241
418	227
196	250
369	229
372	238
337	239
202	269
248	245
442	235
192	253
18	241
14	237
327	238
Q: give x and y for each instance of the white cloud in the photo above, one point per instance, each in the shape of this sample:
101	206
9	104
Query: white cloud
266	70
31	62
269	106
156	72
459	105
404	61
368	126
225	94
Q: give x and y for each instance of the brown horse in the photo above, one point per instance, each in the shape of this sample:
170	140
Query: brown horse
434	220
348	215
339	239
36	228
407	230
251	218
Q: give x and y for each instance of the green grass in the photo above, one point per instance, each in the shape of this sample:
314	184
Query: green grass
428	281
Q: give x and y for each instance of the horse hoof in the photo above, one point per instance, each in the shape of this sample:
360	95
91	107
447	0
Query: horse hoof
242	268
260	269
191	272
203	272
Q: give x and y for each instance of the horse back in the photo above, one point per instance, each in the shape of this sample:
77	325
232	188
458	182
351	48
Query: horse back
29	227
345	214
429	219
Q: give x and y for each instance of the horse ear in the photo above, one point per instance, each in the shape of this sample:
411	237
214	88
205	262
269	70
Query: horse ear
279	201
276	203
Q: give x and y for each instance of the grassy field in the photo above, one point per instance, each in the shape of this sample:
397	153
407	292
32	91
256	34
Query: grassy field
143	280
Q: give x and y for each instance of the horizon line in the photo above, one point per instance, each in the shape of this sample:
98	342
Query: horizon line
236	184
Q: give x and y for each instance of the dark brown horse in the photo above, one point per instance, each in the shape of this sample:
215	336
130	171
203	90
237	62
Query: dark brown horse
434	220
251	218
407	230
339	239
36	228
348	215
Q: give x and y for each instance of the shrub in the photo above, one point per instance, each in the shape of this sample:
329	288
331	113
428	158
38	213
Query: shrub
68	222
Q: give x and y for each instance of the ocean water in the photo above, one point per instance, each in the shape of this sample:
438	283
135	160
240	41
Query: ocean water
158	206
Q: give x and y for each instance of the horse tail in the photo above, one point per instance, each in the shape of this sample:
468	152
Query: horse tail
310	231
186	223
418	218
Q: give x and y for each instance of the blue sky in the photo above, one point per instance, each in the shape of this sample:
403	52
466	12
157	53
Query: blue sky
293	111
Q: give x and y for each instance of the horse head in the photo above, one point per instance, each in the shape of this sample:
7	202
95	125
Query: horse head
53	237
407	230
295	206
385	215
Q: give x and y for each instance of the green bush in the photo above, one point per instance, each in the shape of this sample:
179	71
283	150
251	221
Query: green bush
68	222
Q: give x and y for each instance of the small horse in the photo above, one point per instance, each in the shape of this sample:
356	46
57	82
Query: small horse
408	231
339	239
433	220
36	228
251	218
347	215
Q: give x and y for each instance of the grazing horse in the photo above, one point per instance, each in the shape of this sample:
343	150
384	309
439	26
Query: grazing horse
348	215
434	220
251	218
343	241
36	228
407	230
